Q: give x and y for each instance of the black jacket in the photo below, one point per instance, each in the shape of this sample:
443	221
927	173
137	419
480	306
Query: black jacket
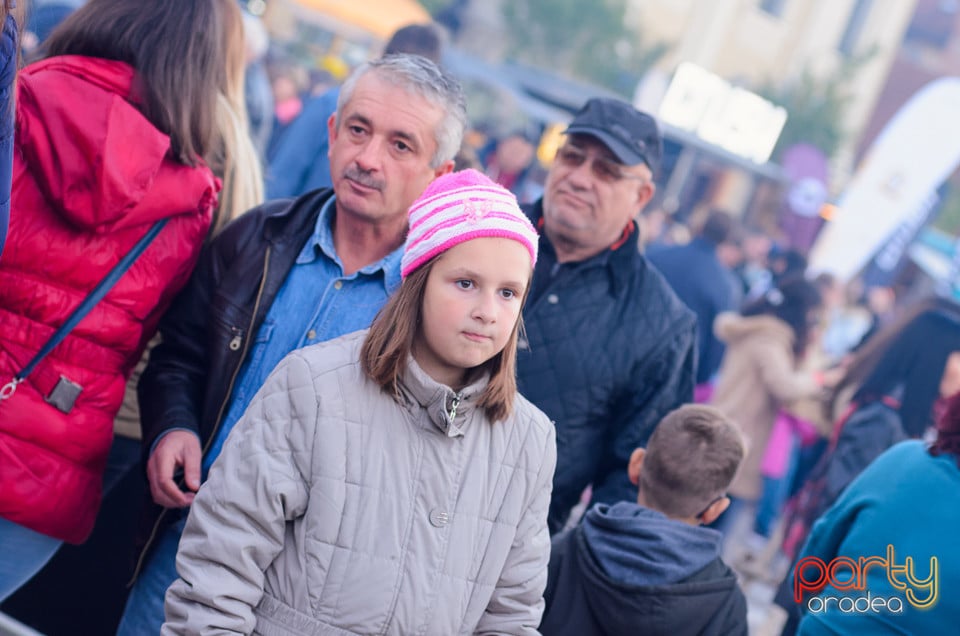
609	351
205	333
630	570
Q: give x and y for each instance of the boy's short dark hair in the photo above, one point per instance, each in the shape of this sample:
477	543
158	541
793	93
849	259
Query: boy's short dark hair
690	460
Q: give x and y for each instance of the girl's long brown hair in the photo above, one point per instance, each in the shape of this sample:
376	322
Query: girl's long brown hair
389	342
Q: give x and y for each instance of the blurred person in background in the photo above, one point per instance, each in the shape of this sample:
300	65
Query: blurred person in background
800	430
704	284
760	372
731	256
298	159
881	304
754	270
323	79
651	224
846	319
42	18
512	162
287	86
258	95
11	18
119	126
785	263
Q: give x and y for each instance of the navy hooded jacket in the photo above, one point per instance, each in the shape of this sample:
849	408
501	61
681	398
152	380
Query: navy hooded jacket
631	570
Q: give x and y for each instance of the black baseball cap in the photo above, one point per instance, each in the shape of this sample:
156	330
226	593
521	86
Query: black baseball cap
631	135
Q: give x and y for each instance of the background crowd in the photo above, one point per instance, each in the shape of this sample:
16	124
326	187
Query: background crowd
225	222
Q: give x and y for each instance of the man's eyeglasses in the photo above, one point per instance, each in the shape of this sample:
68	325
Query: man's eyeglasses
603	168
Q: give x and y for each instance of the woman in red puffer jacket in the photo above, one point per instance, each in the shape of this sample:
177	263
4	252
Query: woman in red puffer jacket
116	129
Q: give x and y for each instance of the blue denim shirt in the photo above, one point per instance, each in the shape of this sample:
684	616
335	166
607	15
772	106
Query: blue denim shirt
316	302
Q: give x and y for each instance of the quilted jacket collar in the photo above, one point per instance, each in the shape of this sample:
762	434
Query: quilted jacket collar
438	399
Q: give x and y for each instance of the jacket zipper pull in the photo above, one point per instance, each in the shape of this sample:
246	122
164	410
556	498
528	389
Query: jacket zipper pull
453	407
237	340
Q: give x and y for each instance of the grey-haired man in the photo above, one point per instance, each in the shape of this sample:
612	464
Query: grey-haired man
282	276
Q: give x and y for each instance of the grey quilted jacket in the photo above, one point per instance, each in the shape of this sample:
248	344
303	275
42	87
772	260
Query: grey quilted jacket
336	509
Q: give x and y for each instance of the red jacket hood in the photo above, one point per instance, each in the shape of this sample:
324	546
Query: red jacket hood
92	152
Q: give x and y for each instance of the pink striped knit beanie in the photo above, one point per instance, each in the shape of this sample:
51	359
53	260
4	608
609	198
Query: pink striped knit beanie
459	207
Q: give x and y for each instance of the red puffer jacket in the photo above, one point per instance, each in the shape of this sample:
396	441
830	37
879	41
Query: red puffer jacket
90	176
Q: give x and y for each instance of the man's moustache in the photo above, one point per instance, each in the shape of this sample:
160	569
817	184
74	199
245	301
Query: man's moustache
363	178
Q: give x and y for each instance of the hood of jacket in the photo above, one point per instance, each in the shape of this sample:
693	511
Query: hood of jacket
76	122
646	569
731	328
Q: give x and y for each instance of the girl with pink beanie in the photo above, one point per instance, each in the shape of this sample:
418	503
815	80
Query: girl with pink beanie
391	481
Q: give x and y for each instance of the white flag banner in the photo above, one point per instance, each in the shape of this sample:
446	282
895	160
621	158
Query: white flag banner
914	154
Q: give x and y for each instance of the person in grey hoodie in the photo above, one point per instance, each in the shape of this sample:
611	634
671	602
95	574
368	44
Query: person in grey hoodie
650	567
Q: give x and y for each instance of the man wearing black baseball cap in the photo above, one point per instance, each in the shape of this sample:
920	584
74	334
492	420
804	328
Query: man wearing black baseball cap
609	348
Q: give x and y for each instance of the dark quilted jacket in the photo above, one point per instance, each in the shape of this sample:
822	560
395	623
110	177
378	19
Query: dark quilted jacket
609	350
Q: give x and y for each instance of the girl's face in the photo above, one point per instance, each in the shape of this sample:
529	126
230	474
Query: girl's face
950	382
470	306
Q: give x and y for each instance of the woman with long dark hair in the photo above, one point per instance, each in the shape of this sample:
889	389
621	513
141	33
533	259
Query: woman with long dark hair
895	402
118	127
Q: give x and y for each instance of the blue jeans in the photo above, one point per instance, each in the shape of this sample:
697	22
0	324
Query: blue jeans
24	553
776	491
144	611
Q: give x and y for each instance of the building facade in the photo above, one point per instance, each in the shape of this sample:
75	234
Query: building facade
754	42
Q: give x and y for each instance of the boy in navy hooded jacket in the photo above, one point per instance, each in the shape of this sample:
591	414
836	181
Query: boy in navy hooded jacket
650	567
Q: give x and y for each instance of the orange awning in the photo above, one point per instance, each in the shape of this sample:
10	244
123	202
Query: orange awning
380	17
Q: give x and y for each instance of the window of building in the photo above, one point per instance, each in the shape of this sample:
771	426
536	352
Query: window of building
855	23
773	7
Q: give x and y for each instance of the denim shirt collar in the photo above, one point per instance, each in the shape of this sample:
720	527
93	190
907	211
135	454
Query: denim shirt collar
322	241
